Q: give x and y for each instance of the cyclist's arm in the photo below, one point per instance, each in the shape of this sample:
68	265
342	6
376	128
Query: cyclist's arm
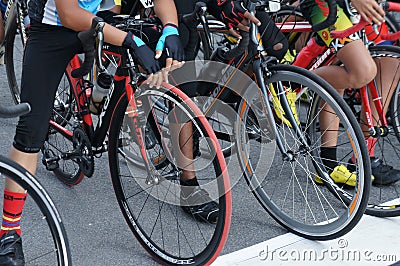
166	11
76	18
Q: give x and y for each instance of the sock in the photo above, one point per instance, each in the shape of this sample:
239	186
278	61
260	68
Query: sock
189	185
12	211
328	157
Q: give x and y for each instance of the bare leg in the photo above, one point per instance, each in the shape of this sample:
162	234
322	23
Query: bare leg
358	70
184	152
27	160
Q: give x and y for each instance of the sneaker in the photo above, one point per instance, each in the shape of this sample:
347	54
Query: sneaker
11	250
199	205
340	175
384	174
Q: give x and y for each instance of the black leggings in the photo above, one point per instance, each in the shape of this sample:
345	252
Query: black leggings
48	51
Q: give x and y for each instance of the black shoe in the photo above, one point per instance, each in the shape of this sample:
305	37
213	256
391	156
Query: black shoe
384	174
199	205
11	253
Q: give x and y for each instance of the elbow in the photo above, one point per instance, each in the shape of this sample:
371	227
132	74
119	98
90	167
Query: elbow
66	20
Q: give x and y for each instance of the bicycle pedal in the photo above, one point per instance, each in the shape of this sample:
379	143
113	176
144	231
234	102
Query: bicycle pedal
51	166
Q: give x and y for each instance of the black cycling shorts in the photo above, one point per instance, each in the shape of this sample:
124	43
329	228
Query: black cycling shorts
48	51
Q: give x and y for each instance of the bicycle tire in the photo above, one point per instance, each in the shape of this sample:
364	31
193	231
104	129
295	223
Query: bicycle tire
325	214
124	179
35	233
14	55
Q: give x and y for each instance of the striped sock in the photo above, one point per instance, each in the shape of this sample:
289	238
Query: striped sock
12	211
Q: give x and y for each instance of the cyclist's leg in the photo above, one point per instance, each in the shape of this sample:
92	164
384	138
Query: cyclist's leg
183	144
357	70
44	66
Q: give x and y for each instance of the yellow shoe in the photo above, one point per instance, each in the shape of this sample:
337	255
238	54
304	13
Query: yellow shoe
291	97
341	175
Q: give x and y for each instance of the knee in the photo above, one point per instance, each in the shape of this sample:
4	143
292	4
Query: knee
363	75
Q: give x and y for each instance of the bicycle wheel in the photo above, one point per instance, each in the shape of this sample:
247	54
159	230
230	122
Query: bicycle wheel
152	210
295	188
44	238
14	51
384	200
61	143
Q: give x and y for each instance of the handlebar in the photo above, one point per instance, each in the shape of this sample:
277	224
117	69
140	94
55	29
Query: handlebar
391	36
391	6
330	19
387	6
347	32
193	19
88	41
14	111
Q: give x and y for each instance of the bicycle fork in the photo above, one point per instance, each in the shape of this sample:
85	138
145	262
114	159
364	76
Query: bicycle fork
288	155
136	113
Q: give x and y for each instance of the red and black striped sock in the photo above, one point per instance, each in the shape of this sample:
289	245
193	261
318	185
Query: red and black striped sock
12	210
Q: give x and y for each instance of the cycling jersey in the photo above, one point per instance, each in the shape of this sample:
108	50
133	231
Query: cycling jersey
316	11
45	11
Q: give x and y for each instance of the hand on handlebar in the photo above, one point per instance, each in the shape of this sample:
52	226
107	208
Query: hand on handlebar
369	10
146	58
170	42
233	14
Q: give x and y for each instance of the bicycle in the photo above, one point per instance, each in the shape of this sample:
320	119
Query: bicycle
264	118
45	241
384	129
148	196
11	49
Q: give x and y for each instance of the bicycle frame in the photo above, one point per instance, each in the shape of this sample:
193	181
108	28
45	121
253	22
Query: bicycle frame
81	90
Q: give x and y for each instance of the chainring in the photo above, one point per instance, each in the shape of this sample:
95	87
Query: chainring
83	147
